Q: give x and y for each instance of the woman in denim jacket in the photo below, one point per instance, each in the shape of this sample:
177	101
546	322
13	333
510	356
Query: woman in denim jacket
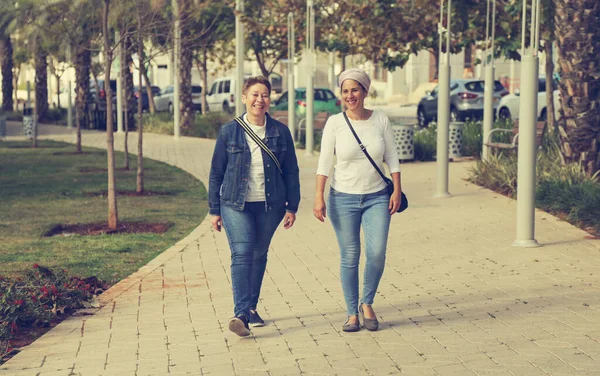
249	195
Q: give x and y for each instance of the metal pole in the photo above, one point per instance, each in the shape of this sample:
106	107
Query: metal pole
69	89
331	72
239	57
527	146
310	94
488	95
291	85
443	114
119	86
176	73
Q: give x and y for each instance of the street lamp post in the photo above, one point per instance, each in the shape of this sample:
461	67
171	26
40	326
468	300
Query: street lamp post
488	95
443	108
239	56
310	94
527	129
291	86
176	73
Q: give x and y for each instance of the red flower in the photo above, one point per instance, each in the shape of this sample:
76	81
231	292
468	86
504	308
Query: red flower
35	266
19	302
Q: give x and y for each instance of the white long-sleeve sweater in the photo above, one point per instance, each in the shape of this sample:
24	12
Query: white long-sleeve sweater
353	173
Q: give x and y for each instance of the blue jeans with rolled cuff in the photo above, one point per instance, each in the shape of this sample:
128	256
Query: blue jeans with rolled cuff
249	233
348	212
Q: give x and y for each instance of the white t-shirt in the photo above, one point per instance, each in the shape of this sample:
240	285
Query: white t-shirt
256	180
353	173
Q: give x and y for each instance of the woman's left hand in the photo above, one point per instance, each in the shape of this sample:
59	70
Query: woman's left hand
394	202
289	219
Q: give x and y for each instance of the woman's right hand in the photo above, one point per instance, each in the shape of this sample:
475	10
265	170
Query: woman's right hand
319	210
217	222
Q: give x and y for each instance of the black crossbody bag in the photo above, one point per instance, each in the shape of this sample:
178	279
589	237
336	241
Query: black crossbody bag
388	182
258	141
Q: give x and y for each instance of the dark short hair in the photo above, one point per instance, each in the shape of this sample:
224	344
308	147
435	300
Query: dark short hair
256	80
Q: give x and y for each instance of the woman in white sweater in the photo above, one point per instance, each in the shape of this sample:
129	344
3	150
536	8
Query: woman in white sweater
358	195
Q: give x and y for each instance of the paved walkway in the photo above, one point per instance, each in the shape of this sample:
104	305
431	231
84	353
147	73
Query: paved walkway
455	299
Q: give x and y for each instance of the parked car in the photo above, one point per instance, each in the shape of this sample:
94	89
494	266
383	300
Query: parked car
145	102
164	101
98	94
509	106
466	101
325	101
221	95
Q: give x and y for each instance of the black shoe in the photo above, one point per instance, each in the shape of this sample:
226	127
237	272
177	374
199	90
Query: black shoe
239	325
370	324
255	320
350	327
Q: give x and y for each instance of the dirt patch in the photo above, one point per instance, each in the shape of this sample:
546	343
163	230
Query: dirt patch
76	153
130	193
94	170
90	229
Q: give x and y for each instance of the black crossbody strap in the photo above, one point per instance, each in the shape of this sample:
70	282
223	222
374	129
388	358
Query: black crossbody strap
363	148
258	141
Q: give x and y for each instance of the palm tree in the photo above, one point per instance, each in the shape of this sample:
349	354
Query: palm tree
6	60
578	39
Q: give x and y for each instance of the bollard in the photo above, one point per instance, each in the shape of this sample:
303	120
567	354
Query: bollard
455	139
404	138
29	126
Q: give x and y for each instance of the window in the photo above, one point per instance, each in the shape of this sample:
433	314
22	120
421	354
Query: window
227	86
541	86
319	96
380	73
196	89
220	87
283	98
168	90
213	89
329	95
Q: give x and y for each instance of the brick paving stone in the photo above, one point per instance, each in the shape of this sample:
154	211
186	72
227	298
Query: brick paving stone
455	299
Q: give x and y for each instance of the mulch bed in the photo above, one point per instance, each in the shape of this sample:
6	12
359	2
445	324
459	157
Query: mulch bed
129	193
76	153
87	229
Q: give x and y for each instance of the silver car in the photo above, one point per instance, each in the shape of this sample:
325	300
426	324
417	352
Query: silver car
466	101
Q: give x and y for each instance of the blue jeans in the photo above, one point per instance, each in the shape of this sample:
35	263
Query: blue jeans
249	233
347	213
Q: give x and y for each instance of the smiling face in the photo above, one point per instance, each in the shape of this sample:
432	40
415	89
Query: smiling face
353	95
257	100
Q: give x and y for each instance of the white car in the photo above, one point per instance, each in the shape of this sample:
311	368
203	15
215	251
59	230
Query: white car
509	105
221	95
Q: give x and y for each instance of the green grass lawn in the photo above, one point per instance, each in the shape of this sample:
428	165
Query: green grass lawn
40	188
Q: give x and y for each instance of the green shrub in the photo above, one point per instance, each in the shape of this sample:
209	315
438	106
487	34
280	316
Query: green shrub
56	116
425	143
562	189
12	115
205	126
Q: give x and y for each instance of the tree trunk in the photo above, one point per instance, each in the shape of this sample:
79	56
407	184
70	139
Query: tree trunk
139	181
578	41
16	73
82	61
113	217
41	82
57	91
550	119
204	81
185	70
6	62
128	95
144	75
151	106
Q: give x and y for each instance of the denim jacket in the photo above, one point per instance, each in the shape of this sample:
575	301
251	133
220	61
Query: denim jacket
230	169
